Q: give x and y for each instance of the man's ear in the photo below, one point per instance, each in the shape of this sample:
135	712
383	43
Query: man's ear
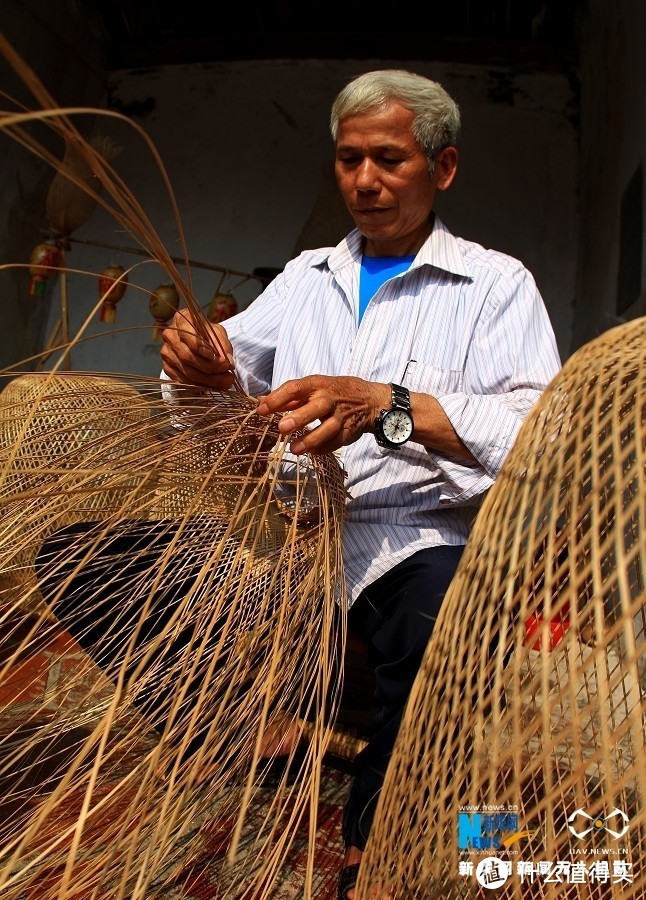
446	166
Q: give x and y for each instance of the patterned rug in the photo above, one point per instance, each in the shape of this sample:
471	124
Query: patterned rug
206	874
199	867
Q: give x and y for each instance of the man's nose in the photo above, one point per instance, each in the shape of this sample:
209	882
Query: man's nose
367	176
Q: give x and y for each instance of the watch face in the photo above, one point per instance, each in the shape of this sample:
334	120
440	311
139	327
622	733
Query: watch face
397	426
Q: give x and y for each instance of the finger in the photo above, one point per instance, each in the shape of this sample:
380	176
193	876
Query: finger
182	323
181	364
292	393
279	400
186	337
179	353
300	396
184	332
188	375
318	409
325	438
267	408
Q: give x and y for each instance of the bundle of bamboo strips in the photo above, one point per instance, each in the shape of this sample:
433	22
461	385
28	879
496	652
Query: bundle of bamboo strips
198	611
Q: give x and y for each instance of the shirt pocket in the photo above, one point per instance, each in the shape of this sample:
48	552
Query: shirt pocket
425	379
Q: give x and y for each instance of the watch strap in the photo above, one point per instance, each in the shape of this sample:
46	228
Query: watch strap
400	397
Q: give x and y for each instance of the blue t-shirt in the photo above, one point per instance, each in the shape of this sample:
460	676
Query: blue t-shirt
374	271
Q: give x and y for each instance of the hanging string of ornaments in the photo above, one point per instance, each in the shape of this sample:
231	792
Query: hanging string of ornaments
69	205
47	258
164	300
71	199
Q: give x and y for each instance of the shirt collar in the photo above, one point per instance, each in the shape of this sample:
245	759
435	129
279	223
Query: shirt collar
441	249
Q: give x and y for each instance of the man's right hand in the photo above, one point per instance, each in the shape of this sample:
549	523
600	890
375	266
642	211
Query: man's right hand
189	357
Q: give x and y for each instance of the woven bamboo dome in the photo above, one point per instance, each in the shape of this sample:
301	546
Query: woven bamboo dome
52	431
521	762
209	567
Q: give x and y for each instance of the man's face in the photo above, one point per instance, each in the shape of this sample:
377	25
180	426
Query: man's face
384	179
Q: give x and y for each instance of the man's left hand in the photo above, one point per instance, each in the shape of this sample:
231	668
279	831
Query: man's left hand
345	406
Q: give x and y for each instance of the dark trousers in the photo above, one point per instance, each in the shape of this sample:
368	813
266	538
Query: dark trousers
395	615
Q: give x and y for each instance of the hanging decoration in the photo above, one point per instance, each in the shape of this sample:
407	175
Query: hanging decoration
74	192
223	305
112	287
44	260
164	303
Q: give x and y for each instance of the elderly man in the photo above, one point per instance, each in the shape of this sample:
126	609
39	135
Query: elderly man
416	354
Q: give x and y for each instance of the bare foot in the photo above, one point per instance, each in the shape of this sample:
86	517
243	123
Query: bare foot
281	736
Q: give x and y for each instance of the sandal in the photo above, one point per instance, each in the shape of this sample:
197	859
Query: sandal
347	880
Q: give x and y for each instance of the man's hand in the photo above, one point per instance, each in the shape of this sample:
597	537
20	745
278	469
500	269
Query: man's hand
189	358
345	406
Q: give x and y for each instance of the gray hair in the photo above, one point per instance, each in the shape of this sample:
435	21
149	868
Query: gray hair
436	122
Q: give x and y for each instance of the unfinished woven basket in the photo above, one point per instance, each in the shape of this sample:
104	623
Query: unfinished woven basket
170	581
109	773
521	762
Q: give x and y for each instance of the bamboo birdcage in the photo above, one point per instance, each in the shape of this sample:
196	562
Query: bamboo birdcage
54	431
532	694
110	774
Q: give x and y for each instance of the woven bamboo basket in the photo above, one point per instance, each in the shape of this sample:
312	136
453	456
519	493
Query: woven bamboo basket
180	548
62	435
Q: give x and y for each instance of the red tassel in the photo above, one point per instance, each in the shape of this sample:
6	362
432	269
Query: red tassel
108	312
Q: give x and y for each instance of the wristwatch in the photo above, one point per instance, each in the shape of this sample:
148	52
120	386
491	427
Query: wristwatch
395	425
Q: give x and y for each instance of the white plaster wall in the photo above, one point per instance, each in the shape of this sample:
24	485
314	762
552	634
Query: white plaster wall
247	149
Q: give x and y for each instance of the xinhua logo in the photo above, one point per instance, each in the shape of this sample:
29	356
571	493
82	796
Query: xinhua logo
615	823
488	831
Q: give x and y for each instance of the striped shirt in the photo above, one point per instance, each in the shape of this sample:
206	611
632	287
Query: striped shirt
463	323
